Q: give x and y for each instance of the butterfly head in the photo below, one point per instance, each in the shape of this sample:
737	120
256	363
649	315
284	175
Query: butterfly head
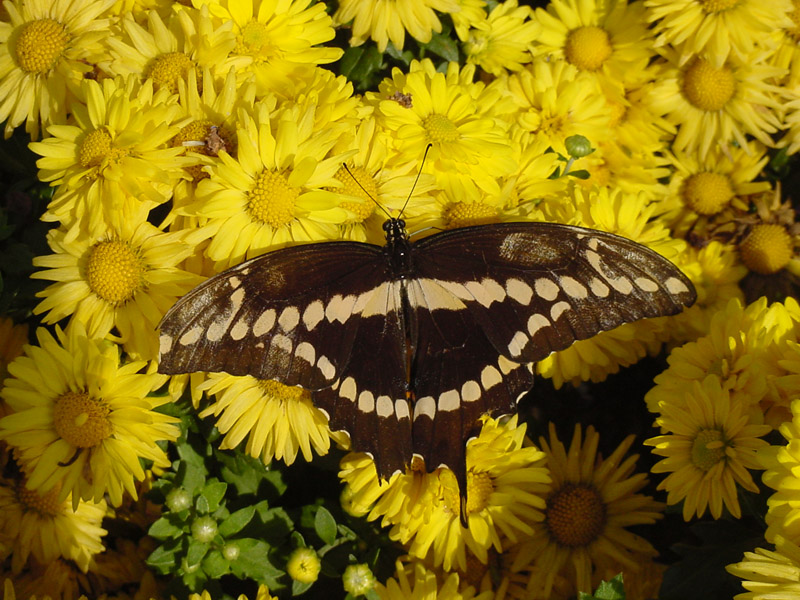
395	230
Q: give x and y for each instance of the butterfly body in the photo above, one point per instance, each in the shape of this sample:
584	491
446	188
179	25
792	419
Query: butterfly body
405	346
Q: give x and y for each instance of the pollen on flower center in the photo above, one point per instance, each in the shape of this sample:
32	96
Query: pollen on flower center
361	209
707	193
707	87
708	449
255	40
440	128
588	47
81	420
287	393
96	146
464	214
168	69
271	200
479	489
46	504
767	249
40	44
575	515
114	271
713	6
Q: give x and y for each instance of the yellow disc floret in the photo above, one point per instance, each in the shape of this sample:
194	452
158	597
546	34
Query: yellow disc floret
114	271
303	565
168	69
95	147
440	128
40	44
81	420
708	449
47	505
271	200
479	489
464	214
767	249
707	87
575	515
707	193
368	190
714	6
256	40
588	47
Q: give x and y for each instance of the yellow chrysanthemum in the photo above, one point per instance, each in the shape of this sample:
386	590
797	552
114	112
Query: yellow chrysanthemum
791	119
118	285
12	339
81	419
165	52
554	102
768	573
501	41
261	594
415	581
45	528
768	248
389	20
709	445
504	480
718	106
614	166
452	113
275	191
280	43
277	420
469	13
46	48
115	163
715	27
627	215
607	41
590	504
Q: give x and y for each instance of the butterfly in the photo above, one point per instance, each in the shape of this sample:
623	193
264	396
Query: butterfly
405	346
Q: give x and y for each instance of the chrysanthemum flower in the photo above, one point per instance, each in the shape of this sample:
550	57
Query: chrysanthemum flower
280	42
589	506
769	573
470	12
628	215
415	581
791	119
115	163
715	28
261	594
12	339
389	20
121	283
46	528
275	191
452	113
554	102
709	445
502	40
608	41
278	420
46	48
717	106
504	480
81	419
165	52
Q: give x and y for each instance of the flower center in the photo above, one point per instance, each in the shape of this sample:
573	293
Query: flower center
46	505
114	271
96	146
479	489
361	209
81	420
707	87
708	449
707	193
588	47
40	44
794	15
256	40
286	393
168	69
271	201
767	249
464	214
713	6
575	515
440	128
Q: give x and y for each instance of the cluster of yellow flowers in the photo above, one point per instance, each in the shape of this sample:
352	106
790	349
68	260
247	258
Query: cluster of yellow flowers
183	138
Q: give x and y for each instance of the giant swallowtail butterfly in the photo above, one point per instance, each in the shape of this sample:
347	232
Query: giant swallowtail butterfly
405	346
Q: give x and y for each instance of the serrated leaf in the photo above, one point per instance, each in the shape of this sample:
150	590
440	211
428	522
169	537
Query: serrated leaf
210	496
163	529
254	563
236	521
197	550
215	565
607	590
443	46
163	558
325	525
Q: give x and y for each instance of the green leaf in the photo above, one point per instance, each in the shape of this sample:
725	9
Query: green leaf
197	550
237	521
163	529
402	56
211	496
163	559
300	588
325	525
607	590
254	563
215	565
361	65
191	469
443	46
580	174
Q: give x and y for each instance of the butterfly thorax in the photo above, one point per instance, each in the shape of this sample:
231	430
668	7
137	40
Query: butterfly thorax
398	248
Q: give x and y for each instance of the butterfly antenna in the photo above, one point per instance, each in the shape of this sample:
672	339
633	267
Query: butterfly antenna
363	189
411	193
